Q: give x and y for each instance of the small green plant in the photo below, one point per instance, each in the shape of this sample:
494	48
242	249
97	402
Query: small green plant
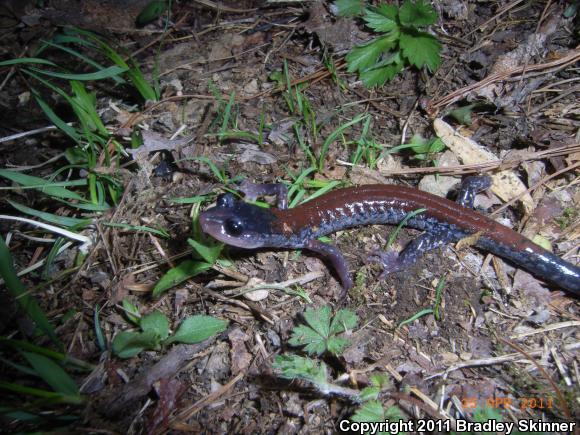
402	39
423	149
316	373
435	309
319	335
154	331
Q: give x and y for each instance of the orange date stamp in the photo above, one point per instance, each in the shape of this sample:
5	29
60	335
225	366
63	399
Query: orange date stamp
508	402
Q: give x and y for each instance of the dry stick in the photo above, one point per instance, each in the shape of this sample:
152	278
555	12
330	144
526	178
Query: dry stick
252	308
210	398
553	100
511	357
543	372
499	14
572	57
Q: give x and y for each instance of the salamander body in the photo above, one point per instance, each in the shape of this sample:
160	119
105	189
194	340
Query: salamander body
245	225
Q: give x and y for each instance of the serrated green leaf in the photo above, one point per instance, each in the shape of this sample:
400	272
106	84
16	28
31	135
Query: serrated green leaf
364	56
197	328
319	320
379	75
349	8
155	322
378	21
420	49
380	380
369	393
127	344
305	336
417	13
342	321
53	374
187	269
297	367
389	11
335	345
370	411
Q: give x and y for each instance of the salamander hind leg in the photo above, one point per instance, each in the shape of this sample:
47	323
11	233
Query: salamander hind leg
391	261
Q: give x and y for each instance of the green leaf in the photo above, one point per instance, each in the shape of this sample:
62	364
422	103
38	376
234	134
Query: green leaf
155	322
313	342
39	183
27	60
64	221
420	49
349	8
102	74
127	344
417	14
187	269
209	253
378	75
52	374
370	411
364	56
336	345
369	393
152	11
463	114
319	336
17	290
388	11
131	311
197	328
297	367
343	321
378	21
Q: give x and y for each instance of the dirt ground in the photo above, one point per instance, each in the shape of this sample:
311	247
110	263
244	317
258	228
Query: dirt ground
501	334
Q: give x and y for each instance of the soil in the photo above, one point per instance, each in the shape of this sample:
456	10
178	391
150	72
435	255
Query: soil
500	334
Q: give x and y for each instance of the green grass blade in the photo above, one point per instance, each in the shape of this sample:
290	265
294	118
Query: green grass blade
109	72
17	291
26	61
332	137
82	57
40	184
52	374
55	119
64	221
57	356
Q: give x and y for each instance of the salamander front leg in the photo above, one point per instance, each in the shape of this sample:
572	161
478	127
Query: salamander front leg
253	191
391	261
470	187
337	260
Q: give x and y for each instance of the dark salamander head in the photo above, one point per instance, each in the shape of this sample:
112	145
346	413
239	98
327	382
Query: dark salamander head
239	224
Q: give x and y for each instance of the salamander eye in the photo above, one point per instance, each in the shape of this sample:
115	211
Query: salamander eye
225	200
234	227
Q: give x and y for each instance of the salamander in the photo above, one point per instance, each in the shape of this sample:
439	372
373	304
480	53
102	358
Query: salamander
245	225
